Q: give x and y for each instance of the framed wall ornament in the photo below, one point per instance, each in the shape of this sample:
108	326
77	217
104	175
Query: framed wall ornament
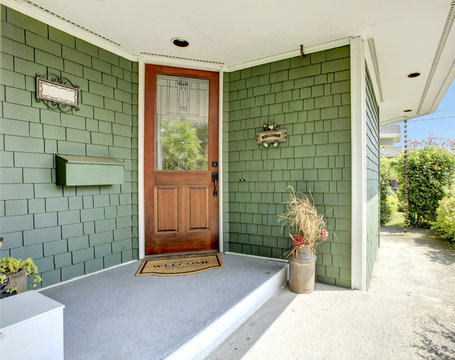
58	93
271	136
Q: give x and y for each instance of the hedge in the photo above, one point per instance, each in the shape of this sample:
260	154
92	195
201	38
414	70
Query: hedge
430	173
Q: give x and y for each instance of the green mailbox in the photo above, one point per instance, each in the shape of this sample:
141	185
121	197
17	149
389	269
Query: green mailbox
84	170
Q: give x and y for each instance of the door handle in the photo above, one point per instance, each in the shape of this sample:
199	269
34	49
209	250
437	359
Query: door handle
215	180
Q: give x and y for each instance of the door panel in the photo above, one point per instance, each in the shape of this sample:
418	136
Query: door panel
199	207
166	208
180	149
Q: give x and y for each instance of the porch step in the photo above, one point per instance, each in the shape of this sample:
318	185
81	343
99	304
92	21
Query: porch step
203	343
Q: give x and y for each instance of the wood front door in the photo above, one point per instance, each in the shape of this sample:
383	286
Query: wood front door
180	160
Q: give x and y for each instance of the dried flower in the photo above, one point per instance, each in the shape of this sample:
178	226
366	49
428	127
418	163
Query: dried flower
324	234
299	241
303	221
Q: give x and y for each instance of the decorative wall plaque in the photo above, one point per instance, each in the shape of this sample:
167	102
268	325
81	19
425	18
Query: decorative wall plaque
58	93
272	135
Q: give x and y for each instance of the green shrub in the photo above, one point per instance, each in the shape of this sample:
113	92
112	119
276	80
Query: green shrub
430	173
385	189
400	199
445	218
393	202
392	167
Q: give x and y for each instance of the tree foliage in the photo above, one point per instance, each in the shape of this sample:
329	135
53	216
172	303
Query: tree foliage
385	177
445	218
183	145
388	198
430	174
433	141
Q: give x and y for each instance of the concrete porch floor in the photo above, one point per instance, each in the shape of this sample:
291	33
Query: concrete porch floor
407	313
115	315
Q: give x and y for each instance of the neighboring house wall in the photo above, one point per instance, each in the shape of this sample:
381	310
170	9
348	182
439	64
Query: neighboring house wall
372	116
311	99
69	231
386	142
389	136
391	152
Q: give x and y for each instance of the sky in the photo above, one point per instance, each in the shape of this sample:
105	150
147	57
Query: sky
440	124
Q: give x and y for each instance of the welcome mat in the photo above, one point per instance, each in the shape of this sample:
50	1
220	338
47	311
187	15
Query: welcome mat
180	265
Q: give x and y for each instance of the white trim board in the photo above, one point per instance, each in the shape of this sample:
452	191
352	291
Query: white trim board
220	161
358	163
59	23
373	67
140	159
256	257
181	63
442	91
289	54
203	65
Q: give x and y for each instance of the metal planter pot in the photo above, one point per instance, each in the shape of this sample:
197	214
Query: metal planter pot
19	280
302	271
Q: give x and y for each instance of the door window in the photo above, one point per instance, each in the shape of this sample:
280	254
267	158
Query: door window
182	118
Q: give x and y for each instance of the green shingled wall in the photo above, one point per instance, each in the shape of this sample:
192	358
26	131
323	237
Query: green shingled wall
311	99
372	152
68	231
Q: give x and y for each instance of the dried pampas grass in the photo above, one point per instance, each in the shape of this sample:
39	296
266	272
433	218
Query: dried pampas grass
302	219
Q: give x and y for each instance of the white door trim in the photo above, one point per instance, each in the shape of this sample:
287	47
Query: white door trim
220	161
143	60
140	158
358	163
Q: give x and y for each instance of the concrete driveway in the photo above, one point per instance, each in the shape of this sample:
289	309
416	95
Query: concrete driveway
407	313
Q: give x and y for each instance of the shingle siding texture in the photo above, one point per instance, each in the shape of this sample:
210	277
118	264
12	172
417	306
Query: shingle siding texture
372	153
311	99
68	231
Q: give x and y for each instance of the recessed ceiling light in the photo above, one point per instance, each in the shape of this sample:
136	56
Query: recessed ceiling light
407	110
179	42
413	75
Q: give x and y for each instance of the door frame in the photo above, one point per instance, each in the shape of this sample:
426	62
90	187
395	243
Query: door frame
141	121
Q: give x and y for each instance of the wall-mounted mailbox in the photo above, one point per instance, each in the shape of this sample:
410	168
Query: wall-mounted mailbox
84	170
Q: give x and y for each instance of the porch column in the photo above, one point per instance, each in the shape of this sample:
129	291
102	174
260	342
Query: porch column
358	159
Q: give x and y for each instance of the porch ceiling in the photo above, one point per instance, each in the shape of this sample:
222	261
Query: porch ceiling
405	35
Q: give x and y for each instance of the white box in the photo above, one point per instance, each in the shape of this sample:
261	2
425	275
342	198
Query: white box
32	325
